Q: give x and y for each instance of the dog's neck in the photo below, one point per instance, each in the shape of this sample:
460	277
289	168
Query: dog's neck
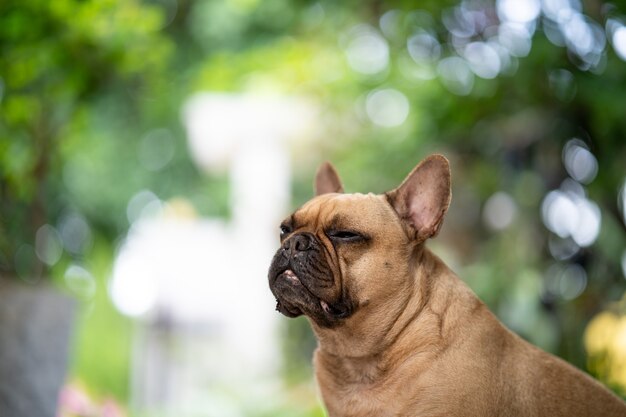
422	319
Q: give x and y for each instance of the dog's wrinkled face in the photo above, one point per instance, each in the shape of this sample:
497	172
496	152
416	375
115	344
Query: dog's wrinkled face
323	245
340	252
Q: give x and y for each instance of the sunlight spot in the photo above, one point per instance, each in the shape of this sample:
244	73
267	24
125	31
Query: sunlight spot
390	23
387	107
483	59
554	9
588	227
456	75
579	162
619	42
522	11
367	51
80	281
423	47
75	233
462	22
571	215
500	211
143	204
559	213
515	38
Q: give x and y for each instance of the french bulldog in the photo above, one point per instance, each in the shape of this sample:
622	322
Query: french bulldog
399	334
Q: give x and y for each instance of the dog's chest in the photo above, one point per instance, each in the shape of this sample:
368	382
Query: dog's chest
357	401
363	392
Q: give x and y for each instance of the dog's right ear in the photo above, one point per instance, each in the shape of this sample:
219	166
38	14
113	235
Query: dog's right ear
327	180
424	196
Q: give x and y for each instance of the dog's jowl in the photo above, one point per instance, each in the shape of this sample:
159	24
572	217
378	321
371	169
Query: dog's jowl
399	334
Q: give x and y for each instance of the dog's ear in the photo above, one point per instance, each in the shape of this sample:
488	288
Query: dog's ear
327	180
424	196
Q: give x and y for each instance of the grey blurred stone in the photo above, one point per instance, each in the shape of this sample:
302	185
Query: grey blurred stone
35	328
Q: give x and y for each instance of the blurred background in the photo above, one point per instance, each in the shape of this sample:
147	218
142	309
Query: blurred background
149	149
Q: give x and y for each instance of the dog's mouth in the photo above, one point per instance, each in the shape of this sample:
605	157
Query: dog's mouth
295	298
288	310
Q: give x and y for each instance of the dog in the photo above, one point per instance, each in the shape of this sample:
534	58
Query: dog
399	334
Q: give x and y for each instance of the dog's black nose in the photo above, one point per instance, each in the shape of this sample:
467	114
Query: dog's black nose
298	243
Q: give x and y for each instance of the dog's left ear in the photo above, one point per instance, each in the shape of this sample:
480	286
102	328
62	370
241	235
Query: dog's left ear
327	180
424	196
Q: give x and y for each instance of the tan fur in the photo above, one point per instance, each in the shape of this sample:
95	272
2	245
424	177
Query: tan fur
420	343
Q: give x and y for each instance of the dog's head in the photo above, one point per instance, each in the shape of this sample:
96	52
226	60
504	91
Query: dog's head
341	252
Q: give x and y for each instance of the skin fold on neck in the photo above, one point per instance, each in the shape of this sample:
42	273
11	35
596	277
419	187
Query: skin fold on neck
365	357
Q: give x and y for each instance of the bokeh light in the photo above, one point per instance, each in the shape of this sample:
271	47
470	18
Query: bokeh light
566	25
557	9
424	47
520	11
619	41
144	204
367	51
515	38
499	211
566	281
156	149
569	213
75	233
456	75
48	244
387	107
579	162
483	59
80	281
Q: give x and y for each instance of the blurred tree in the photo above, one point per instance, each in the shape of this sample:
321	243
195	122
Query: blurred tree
58	59
60	62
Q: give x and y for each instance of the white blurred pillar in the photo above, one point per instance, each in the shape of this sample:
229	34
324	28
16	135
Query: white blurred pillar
212	328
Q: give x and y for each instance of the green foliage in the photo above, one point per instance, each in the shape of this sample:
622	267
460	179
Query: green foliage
103	337
57	59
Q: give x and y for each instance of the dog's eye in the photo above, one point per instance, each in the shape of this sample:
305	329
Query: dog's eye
284	230
344	235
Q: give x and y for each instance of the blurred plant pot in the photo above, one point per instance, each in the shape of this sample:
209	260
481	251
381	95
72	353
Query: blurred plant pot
35	329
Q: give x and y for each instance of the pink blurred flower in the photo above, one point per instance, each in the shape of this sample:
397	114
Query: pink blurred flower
111	409
74	402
